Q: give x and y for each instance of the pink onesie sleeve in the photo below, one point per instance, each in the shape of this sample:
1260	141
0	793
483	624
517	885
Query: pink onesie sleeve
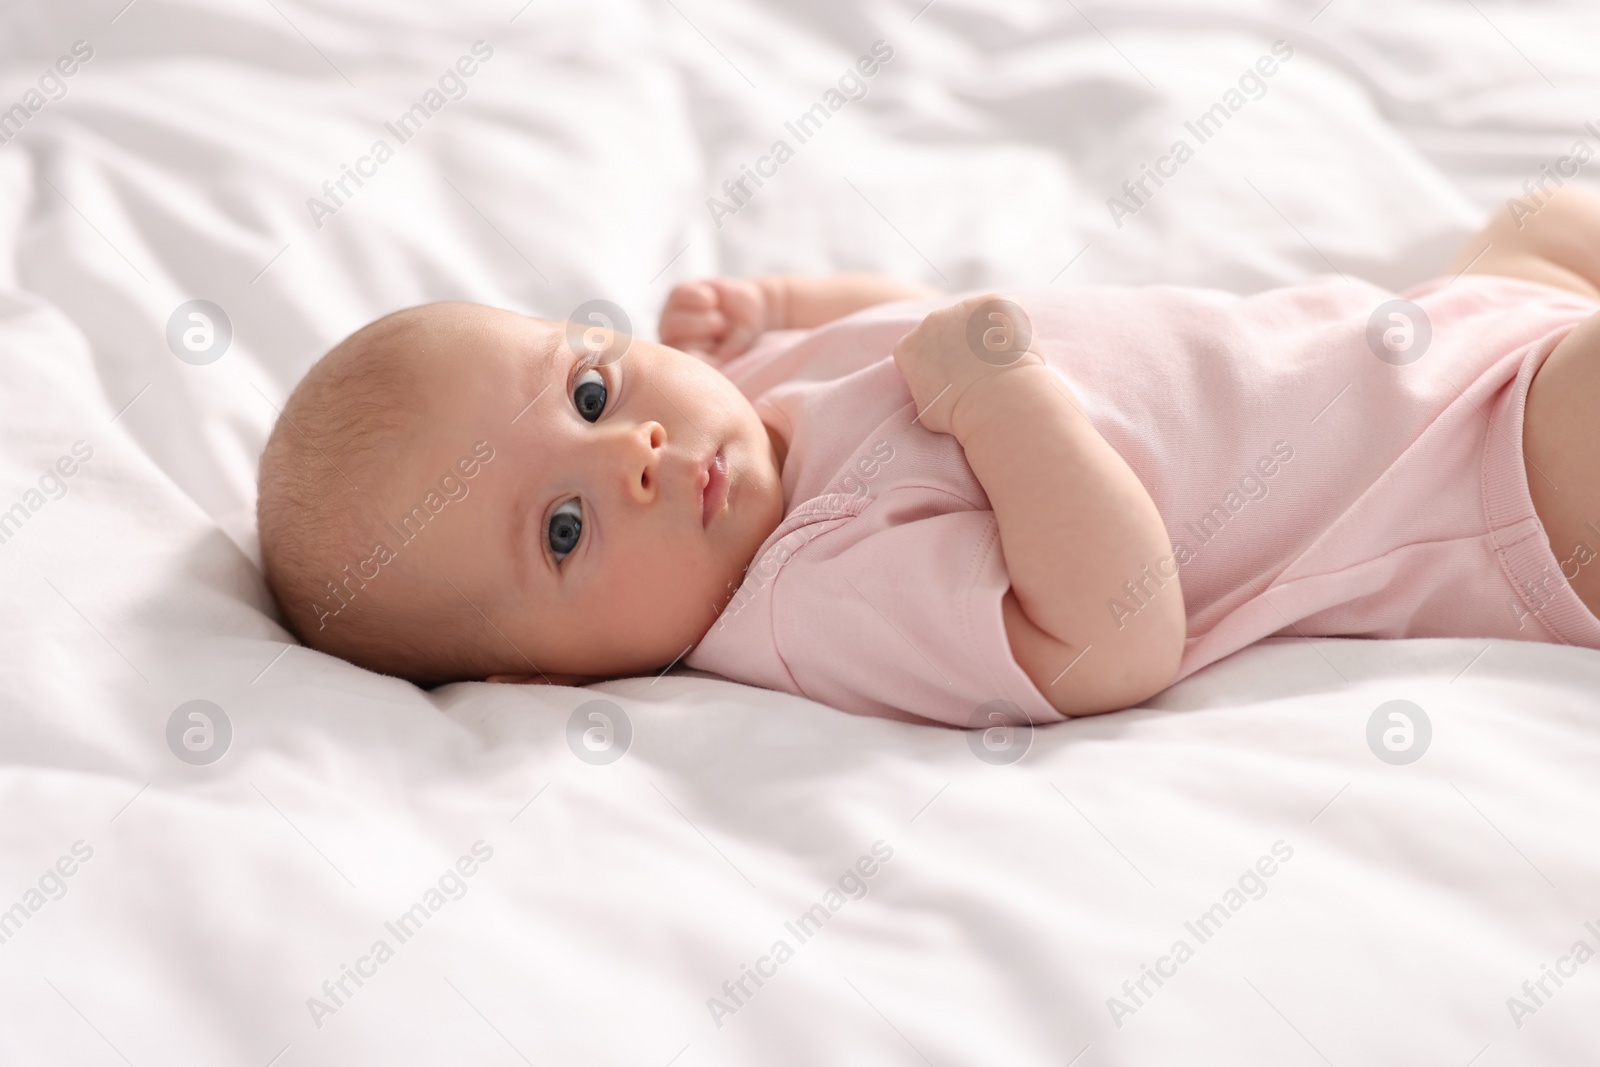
897	614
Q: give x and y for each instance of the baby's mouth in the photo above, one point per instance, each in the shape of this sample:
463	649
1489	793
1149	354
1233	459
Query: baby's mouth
714	491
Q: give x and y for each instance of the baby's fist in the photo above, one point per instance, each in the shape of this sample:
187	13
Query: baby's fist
957	353
714	317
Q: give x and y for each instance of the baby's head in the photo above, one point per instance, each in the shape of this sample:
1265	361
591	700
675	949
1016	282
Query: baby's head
458	492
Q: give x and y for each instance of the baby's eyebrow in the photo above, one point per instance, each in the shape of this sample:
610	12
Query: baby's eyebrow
544	370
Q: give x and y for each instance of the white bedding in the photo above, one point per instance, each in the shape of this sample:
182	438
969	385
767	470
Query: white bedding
207	905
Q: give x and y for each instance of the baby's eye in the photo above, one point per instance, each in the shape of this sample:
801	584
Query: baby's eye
589	394
566	526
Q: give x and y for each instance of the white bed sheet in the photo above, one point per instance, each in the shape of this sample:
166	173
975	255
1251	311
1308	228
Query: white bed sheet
618	899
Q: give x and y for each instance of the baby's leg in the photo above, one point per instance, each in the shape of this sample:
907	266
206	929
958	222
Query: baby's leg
1560	449
1558	245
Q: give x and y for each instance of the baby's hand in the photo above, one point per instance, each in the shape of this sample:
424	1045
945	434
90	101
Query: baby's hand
714	317
958	352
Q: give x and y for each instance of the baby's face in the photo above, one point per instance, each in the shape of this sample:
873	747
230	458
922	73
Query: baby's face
625	498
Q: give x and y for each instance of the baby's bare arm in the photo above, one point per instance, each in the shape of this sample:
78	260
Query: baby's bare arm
802	301
719	318
1075	521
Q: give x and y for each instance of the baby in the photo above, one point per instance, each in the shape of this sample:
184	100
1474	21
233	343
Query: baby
904	505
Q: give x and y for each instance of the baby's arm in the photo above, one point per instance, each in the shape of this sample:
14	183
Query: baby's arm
720	317
1075	521
802	301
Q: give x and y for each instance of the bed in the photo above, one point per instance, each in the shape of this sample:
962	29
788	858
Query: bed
221	847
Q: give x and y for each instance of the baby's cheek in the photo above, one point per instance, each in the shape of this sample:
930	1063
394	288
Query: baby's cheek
665	582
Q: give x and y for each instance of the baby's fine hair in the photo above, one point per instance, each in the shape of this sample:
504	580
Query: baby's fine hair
323	474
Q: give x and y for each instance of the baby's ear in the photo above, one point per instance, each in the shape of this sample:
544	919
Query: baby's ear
572	681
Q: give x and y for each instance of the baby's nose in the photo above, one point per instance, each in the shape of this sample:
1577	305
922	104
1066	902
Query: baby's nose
644	446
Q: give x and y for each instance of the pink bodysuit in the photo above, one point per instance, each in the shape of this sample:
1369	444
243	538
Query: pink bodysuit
1309	487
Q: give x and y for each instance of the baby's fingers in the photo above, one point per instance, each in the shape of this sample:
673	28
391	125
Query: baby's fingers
693	296
692	324
736	343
